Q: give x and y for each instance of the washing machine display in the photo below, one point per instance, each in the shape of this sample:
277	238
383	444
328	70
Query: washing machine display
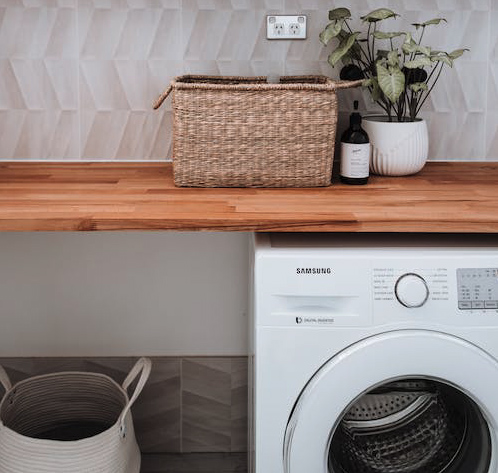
477	288
403	377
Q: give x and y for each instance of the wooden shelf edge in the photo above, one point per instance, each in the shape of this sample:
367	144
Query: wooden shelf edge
446	197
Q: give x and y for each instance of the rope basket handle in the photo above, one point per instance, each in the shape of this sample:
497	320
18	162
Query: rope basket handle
5	380
142	367
348	84
259	83
163	96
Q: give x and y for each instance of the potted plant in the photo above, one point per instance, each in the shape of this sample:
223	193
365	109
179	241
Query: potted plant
400	72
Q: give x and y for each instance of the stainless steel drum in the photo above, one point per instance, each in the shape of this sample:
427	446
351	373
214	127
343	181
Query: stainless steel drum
409	426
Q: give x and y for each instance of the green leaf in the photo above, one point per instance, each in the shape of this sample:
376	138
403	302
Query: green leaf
373	85
457	53
392	58
391	81
331	31
434	21
418	86
355	51
419	61
344	46
409	46
339	14
376	93
382	35
425	50
378	15
441	56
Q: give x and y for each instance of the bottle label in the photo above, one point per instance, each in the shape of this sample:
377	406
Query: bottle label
355	160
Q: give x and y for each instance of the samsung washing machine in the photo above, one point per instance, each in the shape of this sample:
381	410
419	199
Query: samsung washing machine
374	354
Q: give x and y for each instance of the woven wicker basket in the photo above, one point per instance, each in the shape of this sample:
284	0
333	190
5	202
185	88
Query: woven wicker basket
246	132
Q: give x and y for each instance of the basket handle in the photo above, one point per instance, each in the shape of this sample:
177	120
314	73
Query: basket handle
163	96
348	84
142	367
4	379
341	84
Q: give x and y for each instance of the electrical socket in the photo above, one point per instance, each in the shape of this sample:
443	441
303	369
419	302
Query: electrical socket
286	27
278	29
294	29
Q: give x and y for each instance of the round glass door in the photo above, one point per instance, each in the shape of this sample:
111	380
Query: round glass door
408	401
411	425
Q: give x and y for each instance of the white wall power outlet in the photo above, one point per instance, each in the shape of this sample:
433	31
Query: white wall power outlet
286	27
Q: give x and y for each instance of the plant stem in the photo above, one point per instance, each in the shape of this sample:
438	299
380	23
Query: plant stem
373	41
413	106
381	103
430	75
401	106
421	35
430	89
367	56
368	43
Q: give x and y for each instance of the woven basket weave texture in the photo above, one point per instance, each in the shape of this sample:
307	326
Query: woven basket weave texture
246	132
70	422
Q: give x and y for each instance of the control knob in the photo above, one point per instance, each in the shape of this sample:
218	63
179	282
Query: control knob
411	290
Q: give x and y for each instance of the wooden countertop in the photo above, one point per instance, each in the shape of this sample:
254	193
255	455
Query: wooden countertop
443	197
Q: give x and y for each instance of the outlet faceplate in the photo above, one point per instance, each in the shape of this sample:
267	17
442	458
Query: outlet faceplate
286	27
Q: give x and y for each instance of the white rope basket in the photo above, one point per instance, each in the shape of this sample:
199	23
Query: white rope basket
70	422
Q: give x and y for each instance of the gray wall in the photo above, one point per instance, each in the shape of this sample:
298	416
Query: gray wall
123	294
77	77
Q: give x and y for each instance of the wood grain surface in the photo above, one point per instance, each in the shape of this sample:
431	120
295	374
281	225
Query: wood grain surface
443	197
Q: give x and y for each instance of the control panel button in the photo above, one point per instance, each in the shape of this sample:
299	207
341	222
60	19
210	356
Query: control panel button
411	290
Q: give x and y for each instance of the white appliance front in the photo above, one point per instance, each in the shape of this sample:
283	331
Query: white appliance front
373	355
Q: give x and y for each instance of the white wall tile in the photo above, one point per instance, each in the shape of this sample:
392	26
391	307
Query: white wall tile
29	134
39	80
103	62
37	32
216	33
493	37
129	53
456	136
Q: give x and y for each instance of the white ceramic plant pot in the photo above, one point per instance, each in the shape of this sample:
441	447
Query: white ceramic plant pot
398	148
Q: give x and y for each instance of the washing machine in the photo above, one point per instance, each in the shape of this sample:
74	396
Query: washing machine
374	354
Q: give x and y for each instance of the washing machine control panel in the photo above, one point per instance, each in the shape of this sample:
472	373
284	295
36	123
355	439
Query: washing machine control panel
411	288
477	288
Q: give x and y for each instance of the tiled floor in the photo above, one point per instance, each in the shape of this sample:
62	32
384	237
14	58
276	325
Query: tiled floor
189	404
195	463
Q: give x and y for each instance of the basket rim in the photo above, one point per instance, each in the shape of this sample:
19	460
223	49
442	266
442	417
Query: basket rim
318	83
60	374
292	82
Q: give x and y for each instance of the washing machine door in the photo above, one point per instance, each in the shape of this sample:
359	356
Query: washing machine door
438	400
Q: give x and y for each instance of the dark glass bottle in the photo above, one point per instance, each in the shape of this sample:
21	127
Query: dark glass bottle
355	151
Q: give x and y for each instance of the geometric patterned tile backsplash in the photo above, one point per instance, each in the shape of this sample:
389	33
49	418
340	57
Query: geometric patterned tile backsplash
78	77
188	404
